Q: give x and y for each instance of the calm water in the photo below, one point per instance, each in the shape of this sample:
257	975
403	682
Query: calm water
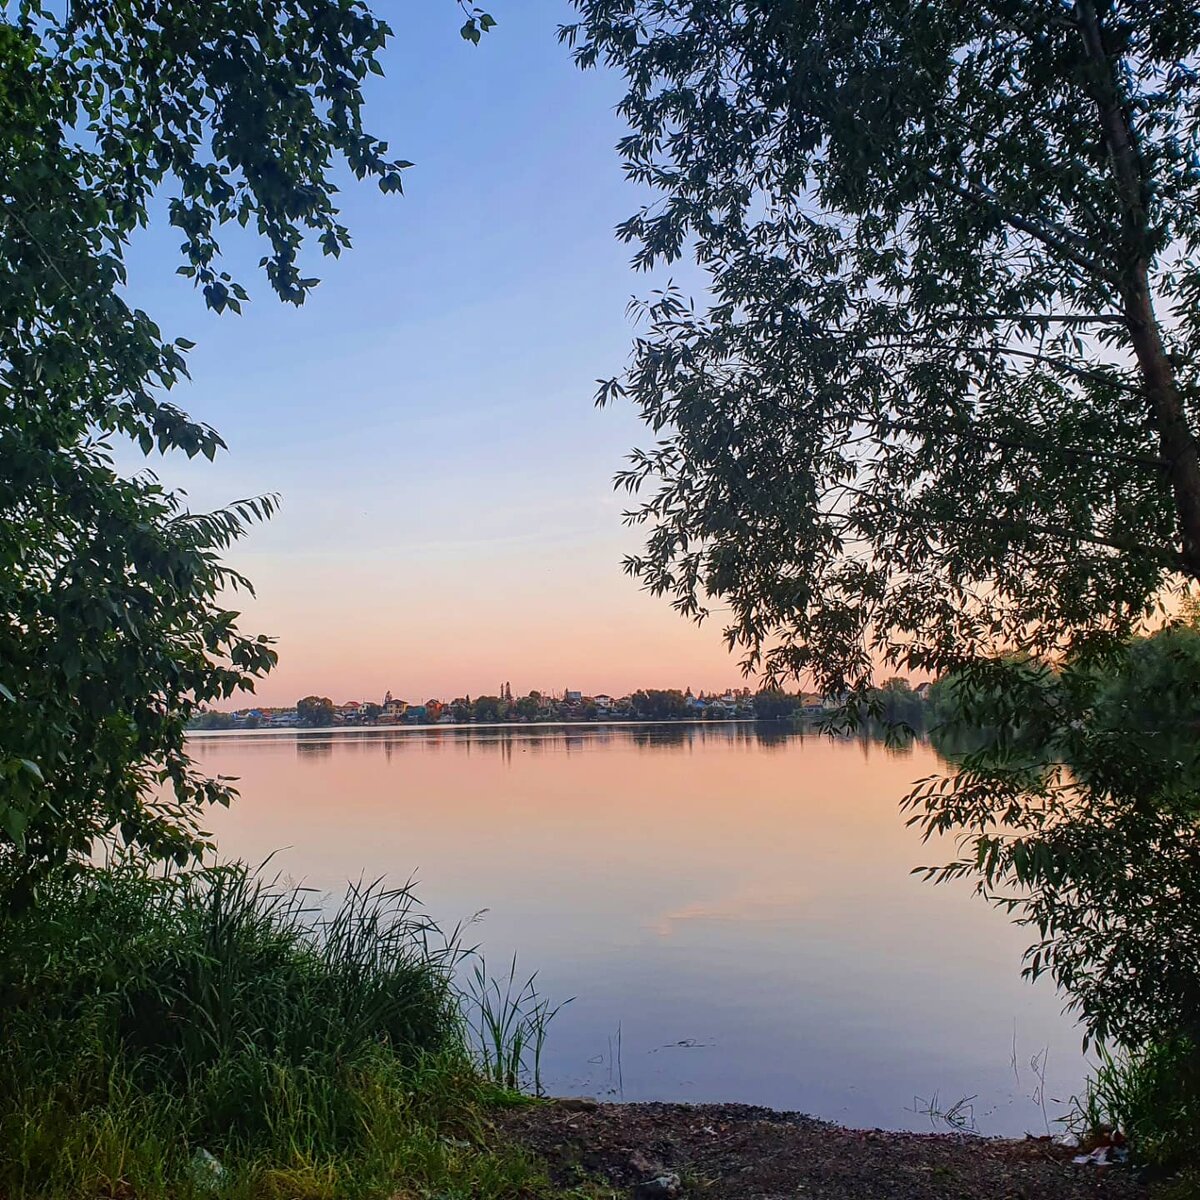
732	911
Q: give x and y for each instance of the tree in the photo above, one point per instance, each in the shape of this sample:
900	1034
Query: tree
1154	690
897	704
527	707
488	708
941	402
211	718
315	710
114	626
1095	793
774	704
929	410
658	705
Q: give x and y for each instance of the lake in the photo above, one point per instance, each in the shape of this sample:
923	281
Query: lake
731	908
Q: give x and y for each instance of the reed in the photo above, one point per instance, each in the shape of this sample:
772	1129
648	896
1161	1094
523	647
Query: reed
509	1020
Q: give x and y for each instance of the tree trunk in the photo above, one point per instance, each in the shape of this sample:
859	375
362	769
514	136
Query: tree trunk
1167	413
1174	435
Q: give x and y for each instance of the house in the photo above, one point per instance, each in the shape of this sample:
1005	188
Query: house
573	697
251	718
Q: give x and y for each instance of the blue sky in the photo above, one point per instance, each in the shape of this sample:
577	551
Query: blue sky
448	521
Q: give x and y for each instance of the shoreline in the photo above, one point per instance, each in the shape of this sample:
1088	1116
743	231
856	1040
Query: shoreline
300	730
659	1150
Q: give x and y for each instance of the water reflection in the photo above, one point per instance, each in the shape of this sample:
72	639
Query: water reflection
314	748
503	740
736	899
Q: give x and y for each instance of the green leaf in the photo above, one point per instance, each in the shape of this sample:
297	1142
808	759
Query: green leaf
14	822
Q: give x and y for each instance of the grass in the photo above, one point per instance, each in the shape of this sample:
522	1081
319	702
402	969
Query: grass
212	1035
509	1026
1152	1097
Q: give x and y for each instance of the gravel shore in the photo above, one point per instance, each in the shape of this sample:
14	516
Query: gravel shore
739	1152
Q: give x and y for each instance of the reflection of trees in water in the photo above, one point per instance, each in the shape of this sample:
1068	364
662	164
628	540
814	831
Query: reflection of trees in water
773	735
311	748
689	733
505	740
650	736
953	743
893	741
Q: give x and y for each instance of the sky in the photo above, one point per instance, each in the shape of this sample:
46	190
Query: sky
448	522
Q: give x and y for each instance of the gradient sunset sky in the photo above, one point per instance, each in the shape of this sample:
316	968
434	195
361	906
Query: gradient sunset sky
448	521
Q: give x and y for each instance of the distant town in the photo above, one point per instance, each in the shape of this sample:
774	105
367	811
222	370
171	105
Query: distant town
898	699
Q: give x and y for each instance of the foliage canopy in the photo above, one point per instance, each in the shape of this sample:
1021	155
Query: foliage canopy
113	624
928	409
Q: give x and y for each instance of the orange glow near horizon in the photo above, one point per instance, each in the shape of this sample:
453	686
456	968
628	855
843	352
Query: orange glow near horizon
418	631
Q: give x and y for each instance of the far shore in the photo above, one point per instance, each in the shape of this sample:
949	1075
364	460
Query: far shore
307	730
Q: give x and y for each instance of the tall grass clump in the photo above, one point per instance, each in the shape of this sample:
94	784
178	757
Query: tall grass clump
508	1020
208	1033
1152	1097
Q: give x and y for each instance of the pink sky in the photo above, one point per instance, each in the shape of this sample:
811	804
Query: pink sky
358	629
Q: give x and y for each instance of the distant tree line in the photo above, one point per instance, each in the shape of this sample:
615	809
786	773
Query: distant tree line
895	702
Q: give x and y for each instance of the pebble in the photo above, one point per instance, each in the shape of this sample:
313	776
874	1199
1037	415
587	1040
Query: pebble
665	1187
644	1166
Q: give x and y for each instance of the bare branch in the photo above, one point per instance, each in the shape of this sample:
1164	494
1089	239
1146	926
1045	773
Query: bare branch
1068	244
